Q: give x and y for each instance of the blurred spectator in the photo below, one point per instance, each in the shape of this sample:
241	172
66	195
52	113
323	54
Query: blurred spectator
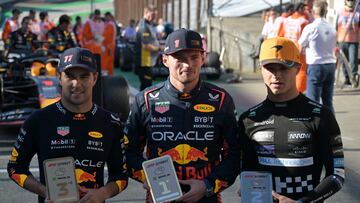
267	32
279	21
22	38
11	24
147	47
108	53
292	29
268	28
35	27
77	30
45	25
347	27
319	39
61	36
93	33
308	10
160	29
129	33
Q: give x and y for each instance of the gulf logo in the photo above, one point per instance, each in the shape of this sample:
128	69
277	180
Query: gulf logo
95	134
205	108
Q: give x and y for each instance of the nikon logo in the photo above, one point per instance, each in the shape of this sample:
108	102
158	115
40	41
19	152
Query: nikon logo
205	108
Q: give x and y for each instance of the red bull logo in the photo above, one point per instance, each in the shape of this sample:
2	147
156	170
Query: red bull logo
184	153
138	175
14	155
121	184
83	176
220	185
19	178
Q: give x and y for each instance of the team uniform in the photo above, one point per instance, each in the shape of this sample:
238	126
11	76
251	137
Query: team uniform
10	26
92	139
348	30
197	129
145	34
19	40
60	40
294	140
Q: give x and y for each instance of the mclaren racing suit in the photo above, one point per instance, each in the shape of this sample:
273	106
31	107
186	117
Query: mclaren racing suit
197	129
92	139
294	140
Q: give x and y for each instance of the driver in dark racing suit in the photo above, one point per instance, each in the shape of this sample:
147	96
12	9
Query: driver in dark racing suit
75	127
290	135
197	128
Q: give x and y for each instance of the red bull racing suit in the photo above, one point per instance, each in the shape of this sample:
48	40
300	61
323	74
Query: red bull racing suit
294	140
197	129
92	139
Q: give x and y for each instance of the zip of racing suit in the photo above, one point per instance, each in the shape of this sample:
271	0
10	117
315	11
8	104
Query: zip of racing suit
197	129
92	139
294	140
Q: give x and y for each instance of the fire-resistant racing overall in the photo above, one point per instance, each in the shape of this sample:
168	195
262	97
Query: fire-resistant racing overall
294	140
197	129
92	139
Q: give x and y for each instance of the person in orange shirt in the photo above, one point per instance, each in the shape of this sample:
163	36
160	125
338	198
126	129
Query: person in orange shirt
292	29
107	56
279	21
45	25
348	32
92	36
35	28
11	25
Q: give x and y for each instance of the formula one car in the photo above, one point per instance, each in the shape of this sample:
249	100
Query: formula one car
29	82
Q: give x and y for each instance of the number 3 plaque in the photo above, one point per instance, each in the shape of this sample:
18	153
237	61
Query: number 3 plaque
60	179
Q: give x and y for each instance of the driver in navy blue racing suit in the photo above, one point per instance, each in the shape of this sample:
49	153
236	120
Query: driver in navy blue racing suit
290	135
190	120
75	127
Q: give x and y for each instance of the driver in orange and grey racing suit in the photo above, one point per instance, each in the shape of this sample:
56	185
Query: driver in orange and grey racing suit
196	128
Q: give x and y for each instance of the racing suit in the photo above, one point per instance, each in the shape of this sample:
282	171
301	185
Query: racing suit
20	40
197	129
60	40
92	139
145	59
294	140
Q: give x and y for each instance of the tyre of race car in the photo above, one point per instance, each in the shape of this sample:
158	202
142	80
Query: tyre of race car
115	95
128	59
213	60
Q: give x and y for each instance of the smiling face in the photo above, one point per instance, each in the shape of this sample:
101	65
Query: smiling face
280	81
184	67
77	85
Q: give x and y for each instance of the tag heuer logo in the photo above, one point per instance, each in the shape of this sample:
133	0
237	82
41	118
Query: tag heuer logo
63	130
162	107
